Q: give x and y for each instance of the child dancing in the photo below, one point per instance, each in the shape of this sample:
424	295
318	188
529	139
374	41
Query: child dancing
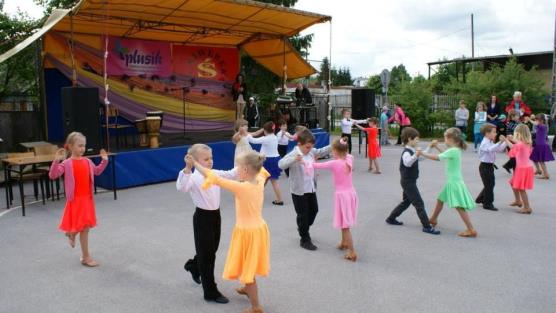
345	197
409	172
373	148
249	252
524	176
302	183
269	148
455	192
487	155
206	219
79	214
240	137
347	123
541	150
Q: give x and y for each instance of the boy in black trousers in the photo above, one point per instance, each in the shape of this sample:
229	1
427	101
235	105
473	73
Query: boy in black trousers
206	220
409	170
302	183
487	155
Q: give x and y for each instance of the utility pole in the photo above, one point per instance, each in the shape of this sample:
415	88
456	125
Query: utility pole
554	70
472	42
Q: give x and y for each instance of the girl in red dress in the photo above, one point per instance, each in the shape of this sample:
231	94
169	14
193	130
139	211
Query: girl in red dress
79	213
373	148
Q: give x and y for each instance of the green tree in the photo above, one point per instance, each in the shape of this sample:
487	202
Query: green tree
375	84
341	77
50	5
502	81
18	73
398	75
324	71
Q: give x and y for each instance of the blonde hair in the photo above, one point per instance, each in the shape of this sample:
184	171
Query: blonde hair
523	134
340	145
251	159
481	105
196	148
72	137
240	123
456	136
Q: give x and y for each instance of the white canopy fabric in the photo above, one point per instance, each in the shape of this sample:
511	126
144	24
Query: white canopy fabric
56	16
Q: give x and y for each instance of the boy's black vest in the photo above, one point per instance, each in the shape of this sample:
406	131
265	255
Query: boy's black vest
409	172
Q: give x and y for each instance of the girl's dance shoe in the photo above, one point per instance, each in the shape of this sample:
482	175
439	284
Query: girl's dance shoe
468	233
254	310
515	203
525	211
351	256
241	291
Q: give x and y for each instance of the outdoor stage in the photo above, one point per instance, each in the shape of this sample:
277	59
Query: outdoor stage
149	166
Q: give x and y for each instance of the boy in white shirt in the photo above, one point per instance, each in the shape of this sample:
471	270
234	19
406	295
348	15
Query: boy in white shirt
347	123
206	220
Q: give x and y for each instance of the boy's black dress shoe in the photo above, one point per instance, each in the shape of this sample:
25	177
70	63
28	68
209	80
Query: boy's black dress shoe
307	244
191	268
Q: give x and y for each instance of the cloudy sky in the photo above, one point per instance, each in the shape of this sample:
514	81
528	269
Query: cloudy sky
368	36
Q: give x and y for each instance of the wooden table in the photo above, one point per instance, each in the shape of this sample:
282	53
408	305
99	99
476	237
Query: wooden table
20	163
32	144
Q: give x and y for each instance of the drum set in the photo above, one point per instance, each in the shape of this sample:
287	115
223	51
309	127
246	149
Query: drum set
149	129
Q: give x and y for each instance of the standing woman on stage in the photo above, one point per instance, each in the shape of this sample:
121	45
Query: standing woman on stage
239	93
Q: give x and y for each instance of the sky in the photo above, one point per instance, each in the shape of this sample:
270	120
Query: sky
369	36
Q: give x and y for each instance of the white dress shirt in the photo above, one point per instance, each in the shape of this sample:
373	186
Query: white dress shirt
283	139
269	144
408	159
347	124
488	149
206	199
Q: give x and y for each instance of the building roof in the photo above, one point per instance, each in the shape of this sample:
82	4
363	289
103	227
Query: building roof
494	57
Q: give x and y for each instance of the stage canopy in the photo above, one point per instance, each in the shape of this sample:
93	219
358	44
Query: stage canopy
260	29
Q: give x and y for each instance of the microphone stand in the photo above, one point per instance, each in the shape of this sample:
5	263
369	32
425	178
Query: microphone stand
184	90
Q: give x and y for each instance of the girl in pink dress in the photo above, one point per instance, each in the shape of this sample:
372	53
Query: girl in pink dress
345	197
524	174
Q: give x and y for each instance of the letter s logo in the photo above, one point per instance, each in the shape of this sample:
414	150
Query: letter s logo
206	69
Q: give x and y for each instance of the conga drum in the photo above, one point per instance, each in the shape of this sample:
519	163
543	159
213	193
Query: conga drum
157	113
153	130
141	126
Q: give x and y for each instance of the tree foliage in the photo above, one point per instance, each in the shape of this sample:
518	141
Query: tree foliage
375	84
398	75
341	77
17	74
502	81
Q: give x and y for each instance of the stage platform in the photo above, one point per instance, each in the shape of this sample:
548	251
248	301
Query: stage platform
150	166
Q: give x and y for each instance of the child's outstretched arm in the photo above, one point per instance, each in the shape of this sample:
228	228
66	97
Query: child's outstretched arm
289	159
257	133
103	163
57	168
359	126
322	152
184	183
212	178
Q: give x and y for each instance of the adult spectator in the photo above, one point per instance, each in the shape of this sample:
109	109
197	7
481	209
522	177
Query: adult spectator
239	94
401	119
462	116
517	104
252	113
302	95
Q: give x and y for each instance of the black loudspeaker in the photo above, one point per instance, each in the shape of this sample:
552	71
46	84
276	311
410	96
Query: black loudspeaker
80	106
362	103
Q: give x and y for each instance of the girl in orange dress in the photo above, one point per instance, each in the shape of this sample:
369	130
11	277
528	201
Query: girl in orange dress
249	252
373	147
79	213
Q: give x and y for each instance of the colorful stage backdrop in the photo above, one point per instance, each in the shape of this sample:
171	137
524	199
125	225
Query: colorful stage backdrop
147	76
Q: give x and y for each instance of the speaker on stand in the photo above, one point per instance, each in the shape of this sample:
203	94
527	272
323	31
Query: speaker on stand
80	107
362	103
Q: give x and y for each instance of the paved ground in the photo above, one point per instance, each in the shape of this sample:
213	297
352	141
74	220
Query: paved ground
145	236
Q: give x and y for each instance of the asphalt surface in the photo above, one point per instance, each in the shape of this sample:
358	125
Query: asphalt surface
144	238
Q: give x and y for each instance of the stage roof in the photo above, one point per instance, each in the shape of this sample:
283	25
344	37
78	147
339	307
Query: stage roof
237	23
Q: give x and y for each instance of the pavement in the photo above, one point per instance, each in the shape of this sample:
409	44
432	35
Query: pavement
143	239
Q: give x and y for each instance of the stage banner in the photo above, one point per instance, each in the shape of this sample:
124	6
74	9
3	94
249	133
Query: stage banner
221	64
134	57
